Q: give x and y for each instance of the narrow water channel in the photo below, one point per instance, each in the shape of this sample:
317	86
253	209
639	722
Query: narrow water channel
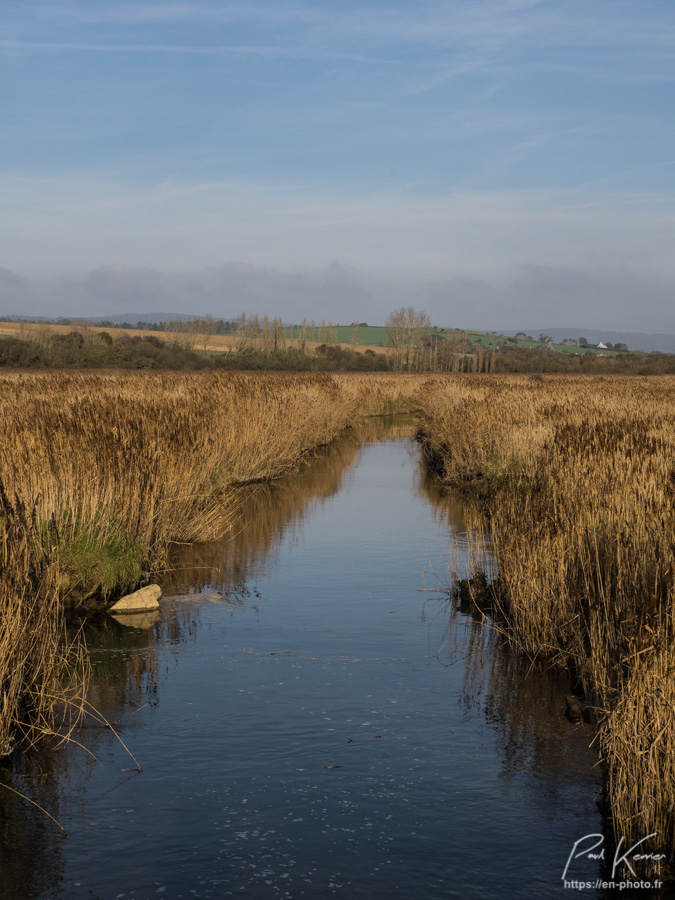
313	719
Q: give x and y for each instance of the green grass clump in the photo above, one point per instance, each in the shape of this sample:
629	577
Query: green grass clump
97	561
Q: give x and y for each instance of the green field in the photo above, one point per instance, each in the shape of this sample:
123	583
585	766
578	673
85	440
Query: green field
376	336
372	335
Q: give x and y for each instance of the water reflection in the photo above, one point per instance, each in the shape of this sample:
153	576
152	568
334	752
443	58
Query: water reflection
266	511
121	648
352	727
523	704
123	652
31	859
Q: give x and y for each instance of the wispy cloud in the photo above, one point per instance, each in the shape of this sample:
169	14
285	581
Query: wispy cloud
261	50
489	25
434	43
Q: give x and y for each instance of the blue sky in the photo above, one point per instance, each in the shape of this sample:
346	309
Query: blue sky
500	163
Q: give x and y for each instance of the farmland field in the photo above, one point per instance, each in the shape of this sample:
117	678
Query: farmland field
372	337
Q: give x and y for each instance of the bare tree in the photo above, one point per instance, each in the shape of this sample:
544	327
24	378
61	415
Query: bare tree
208	327
328	332
279	332
406	329
180	328
247	328
194	333
273	334
395	325
267	331
307	332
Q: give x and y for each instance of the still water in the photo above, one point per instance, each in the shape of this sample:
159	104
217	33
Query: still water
313	718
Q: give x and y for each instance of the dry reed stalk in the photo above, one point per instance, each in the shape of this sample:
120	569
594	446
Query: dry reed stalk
41	675
137	461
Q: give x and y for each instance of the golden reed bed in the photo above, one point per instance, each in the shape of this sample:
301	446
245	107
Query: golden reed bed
578	479
101	472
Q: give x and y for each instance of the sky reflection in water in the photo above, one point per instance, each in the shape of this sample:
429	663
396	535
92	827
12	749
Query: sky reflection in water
317	724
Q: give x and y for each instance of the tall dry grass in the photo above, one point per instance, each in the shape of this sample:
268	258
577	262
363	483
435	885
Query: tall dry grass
41	673
119	466
114	468
578	479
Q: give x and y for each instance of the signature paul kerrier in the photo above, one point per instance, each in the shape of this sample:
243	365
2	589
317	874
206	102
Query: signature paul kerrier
591	846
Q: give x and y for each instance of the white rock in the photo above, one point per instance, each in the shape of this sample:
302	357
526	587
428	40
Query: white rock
139	601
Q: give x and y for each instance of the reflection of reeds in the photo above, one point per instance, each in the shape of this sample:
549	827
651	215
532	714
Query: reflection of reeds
117	467
266	510
263	511
577	476
517	702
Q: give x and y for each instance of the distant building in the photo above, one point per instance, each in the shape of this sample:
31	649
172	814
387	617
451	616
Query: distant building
601	346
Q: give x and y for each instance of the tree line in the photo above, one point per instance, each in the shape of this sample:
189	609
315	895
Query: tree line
263	342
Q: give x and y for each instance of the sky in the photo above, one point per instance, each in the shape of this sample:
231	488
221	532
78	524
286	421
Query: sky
502	164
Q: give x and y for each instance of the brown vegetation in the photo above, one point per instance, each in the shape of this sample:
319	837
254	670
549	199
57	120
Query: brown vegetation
101	473
578	480
40	672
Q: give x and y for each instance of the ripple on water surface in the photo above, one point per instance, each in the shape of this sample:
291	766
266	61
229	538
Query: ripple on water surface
317	722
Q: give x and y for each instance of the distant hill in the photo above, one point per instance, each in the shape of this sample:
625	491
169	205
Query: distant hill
131	318
135	318
635	340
